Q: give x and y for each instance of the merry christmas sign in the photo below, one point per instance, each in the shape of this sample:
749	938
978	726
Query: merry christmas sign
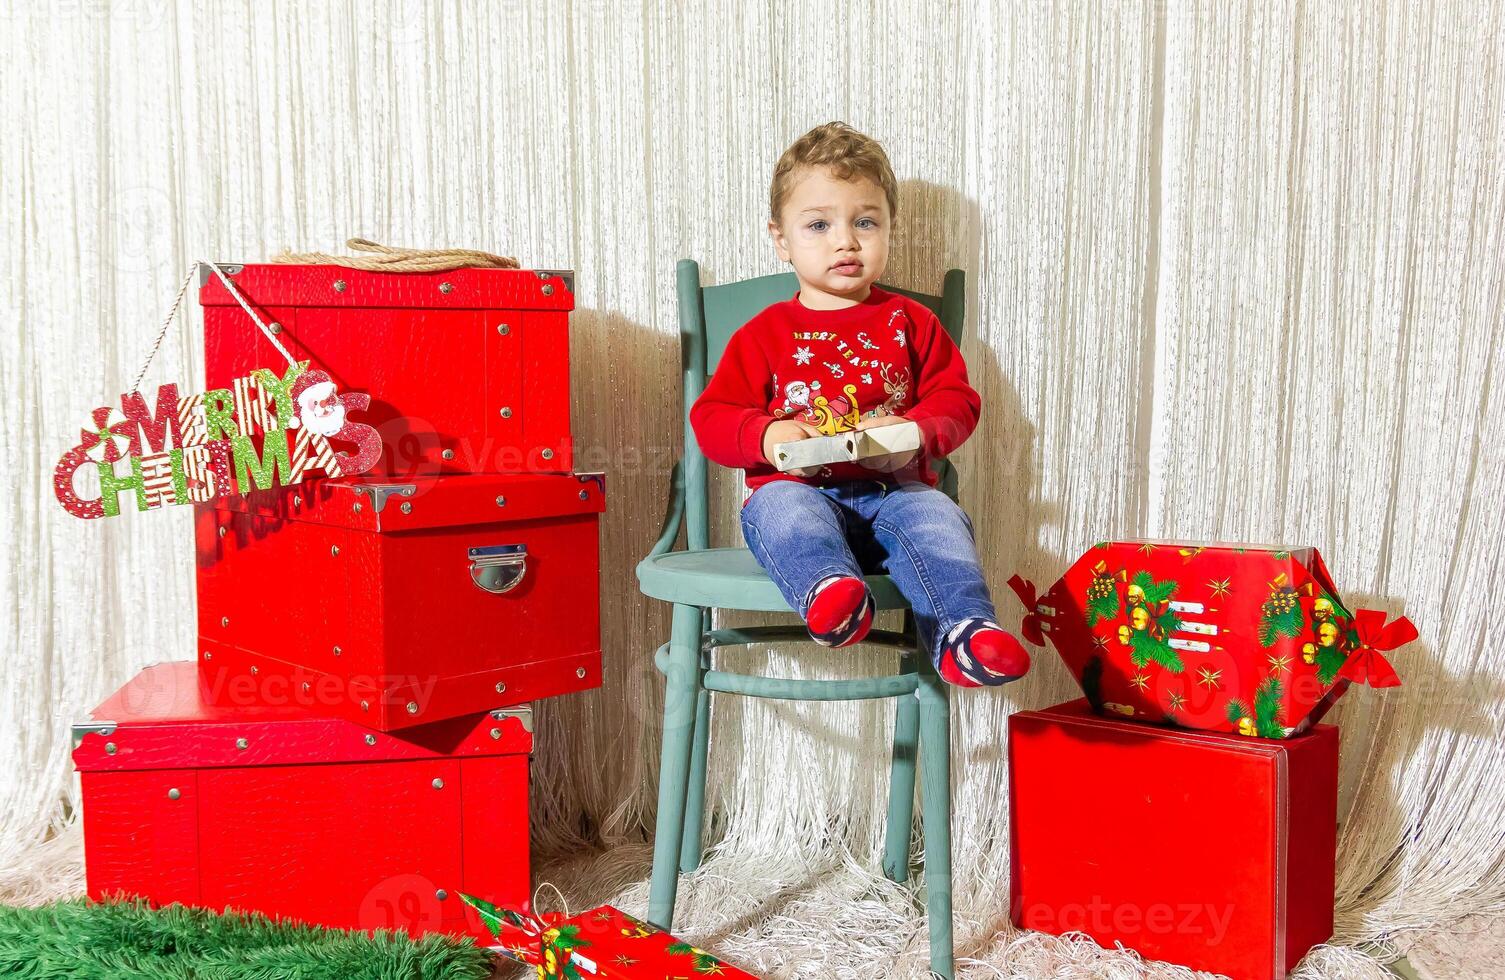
261	432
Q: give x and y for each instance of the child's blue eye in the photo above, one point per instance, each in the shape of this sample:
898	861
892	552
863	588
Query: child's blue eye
817	226
867	223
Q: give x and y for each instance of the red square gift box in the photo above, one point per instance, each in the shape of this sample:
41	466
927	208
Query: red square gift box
395	604
1240	638
1209	850
603	943
467	369
273	810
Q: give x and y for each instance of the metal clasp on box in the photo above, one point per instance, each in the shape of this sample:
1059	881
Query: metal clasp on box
102	728
568	275
524	714
498	568
379	492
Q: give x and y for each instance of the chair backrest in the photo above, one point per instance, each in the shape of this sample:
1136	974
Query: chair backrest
709	315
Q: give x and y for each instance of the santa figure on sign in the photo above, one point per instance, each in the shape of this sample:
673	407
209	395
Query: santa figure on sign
324	412
320	408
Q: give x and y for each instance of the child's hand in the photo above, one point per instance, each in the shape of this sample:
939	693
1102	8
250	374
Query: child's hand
788	430
894	461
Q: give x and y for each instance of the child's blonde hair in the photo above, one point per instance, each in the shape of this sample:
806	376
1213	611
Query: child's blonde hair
847	153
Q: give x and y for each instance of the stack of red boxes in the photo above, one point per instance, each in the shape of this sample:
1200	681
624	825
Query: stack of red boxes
351	748
1187	807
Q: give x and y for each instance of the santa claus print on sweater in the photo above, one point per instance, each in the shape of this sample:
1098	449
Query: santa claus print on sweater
888	355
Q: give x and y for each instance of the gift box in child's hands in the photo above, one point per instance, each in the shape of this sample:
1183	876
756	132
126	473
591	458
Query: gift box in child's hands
602	943
1241	638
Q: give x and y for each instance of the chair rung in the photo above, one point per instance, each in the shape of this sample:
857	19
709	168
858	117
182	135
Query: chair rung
790	689
741	635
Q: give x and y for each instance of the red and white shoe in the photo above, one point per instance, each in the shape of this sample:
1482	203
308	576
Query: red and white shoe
841	612
980	653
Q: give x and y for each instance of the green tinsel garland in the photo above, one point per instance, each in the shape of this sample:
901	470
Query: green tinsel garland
130	941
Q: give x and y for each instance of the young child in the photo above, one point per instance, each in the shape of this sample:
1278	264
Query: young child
843	354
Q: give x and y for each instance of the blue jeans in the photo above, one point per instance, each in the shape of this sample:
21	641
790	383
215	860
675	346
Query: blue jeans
802	534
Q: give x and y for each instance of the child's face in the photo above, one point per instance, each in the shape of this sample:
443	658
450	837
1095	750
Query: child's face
835	233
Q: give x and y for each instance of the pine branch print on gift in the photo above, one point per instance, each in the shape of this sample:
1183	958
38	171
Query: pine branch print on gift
1267	709
1280	615
701	961
1102	595
1332	641
1239	714
1147	604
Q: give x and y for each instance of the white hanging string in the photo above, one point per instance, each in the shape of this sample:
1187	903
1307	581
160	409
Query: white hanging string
177	302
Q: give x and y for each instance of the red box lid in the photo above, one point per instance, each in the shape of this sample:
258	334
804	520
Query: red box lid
164	719
275	284
427	502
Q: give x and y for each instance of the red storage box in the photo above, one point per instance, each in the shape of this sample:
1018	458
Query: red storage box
1213	851
273	810
399	604
468	370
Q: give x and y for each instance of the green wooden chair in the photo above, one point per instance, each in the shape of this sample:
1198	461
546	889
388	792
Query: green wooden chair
702	578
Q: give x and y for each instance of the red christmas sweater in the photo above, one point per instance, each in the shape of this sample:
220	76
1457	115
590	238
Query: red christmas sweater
888	355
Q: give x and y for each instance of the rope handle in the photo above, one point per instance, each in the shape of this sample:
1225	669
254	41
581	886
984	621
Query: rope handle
177	303
378	258
391	258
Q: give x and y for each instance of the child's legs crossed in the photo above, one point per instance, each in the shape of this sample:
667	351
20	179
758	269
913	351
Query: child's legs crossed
798	534
932	557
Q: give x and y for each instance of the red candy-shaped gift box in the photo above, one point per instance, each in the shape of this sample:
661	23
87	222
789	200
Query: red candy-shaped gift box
397	604
274	810
468	369
1238	638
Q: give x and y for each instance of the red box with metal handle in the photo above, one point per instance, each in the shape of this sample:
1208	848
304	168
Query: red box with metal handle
271	809
468	369
397	604
1214	851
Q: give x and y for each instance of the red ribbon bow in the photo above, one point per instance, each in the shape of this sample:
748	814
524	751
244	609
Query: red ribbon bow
1367	665
1025	590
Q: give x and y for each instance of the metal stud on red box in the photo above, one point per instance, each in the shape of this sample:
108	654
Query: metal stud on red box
398	604
468	368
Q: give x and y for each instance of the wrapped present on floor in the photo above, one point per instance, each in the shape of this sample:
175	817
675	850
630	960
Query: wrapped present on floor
1204	849
1240	638
602	943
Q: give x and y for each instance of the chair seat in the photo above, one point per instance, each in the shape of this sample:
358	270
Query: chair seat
731	578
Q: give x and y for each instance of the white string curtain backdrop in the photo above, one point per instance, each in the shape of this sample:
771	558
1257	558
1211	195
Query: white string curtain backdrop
1234	272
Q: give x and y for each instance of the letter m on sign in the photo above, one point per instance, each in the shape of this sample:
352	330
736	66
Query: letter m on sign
272	468
154	428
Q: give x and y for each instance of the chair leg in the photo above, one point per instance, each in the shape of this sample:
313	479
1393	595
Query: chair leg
680	697
935	789
901	781
690	849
